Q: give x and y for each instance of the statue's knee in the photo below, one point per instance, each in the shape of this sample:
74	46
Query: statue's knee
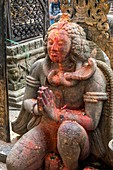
70	129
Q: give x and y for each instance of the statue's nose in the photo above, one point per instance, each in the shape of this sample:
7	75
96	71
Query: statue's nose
55	46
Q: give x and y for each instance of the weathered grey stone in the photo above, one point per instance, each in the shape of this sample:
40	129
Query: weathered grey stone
15	97
4	150
17	93
3	166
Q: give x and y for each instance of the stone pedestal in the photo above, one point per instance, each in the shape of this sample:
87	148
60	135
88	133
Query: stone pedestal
4	150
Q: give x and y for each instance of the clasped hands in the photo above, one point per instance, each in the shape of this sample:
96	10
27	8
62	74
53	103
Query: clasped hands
46	104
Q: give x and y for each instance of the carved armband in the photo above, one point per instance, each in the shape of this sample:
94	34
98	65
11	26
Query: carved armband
32	82
94	97
32	109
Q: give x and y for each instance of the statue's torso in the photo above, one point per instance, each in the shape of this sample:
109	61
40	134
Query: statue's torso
69	97
70	94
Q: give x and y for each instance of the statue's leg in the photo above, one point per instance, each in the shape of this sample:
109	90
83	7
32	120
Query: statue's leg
29	152
73	144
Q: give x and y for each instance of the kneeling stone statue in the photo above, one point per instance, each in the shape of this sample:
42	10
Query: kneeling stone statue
63	103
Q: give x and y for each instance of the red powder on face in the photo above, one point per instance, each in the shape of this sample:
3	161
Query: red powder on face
58	45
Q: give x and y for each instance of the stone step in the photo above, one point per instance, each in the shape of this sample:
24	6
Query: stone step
4	150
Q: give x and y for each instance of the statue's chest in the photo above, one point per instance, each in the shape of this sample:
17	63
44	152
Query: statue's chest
72	97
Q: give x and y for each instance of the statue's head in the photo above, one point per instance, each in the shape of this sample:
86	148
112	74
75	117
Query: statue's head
64	38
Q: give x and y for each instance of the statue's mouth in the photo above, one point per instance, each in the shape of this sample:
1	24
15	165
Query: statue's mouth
54	54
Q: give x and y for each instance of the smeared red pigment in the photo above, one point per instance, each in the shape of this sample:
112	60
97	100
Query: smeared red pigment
77	115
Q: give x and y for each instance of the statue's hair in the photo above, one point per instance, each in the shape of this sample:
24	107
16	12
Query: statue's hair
79	45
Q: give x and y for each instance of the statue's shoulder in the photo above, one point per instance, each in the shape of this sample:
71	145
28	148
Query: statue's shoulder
99	76
37	64
98	80
38	67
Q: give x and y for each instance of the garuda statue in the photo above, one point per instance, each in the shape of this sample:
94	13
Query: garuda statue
67	107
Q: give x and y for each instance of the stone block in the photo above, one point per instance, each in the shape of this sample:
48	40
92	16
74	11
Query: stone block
4	150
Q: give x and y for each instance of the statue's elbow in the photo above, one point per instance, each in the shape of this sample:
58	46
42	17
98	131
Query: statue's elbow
91	126
94	125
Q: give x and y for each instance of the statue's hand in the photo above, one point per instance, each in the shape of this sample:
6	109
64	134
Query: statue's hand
46	102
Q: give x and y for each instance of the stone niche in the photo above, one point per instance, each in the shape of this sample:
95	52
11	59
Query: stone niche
20	57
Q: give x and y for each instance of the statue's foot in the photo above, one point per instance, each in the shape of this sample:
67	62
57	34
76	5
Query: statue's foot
52	162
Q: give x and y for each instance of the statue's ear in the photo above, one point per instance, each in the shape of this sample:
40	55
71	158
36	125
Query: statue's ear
84	72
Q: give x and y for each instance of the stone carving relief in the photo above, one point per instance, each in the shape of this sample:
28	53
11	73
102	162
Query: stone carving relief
19	60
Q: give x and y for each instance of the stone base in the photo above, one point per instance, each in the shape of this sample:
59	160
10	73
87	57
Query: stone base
3	166
4	150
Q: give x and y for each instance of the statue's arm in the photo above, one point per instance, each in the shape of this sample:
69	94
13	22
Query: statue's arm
76	115
89	118
32	86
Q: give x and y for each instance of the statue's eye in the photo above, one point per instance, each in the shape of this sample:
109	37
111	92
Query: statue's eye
60	43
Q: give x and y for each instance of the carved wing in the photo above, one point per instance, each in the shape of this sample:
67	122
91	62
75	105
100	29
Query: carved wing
104	133
106	124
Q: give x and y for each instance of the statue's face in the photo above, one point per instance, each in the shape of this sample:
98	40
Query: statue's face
58	45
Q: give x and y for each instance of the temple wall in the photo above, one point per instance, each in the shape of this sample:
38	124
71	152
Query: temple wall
20	57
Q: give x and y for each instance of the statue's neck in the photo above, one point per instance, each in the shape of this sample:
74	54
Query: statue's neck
65	66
